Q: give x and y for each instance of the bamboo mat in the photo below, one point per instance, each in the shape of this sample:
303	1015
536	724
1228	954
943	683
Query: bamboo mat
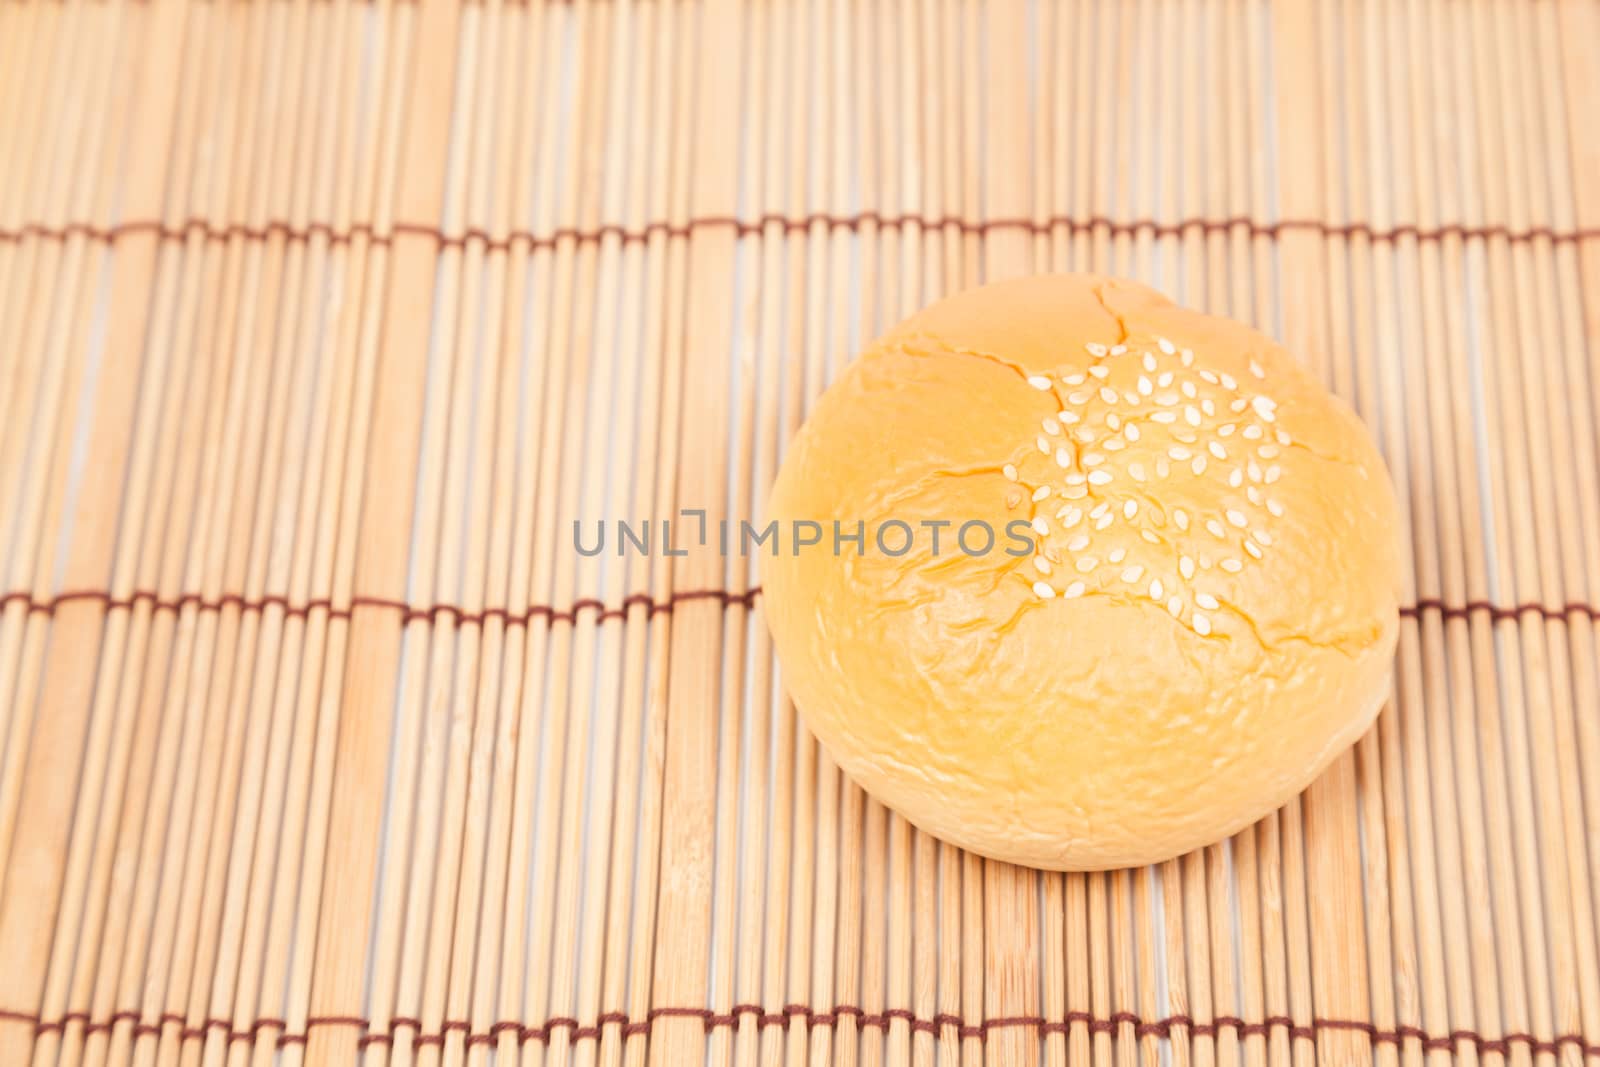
320	322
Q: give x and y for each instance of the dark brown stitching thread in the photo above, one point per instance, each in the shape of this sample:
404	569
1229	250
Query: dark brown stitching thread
1502	612
214	231
576	1031
410	613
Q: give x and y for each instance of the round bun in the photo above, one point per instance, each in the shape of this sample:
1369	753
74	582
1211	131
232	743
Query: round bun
1190	607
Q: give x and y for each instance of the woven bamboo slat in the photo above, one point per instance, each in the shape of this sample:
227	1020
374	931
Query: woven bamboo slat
322	321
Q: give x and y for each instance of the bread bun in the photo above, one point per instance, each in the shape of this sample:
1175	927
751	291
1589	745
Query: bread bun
1207	616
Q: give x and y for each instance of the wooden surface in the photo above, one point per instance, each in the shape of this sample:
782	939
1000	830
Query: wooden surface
321	321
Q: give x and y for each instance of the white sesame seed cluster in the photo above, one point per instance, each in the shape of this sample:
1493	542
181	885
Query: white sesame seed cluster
1221	431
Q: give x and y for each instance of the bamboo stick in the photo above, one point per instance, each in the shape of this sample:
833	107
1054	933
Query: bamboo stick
128	744
40	144
468	996
375	644
27	488
153	921
297	880
34	869
1571	640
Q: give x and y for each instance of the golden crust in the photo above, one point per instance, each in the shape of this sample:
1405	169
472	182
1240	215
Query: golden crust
1220	609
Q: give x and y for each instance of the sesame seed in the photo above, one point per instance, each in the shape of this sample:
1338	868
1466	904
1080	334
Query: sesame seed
1267	451
1085	435
1146	386
1188	357
1086	564
1133	574
1063	456
1225	430
1199	465
1166	400
1044	445
1113	420
1250	547
1175	606
1191	415
1162	467
1165	379
1149	535
1231	565
1099	478
1067	418
1236	477
1238	405
1074	478
1041	493
1228	381
1072	379
1130	509
1041	564
1255	368
1179	453
1216	528
1074	492
1202	625
1186	567
1156	592
1118	555
1252	432
1165	345
1189	390
1039	381
1078	544
1255	470
1131	397
1074	590
1236	517
1180	518
1095	350
1099	510
1093	459
1113	444
1010	471
1264	537
1103	522
1040	527
1078	398
1149	362
1042	590
1283	438
1052	427
1264	407
1069	516
1276	508
1137	470
1099	371
1273	473
1217	450
1253	493
1208	407
1117	350
1207	601
1108	394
